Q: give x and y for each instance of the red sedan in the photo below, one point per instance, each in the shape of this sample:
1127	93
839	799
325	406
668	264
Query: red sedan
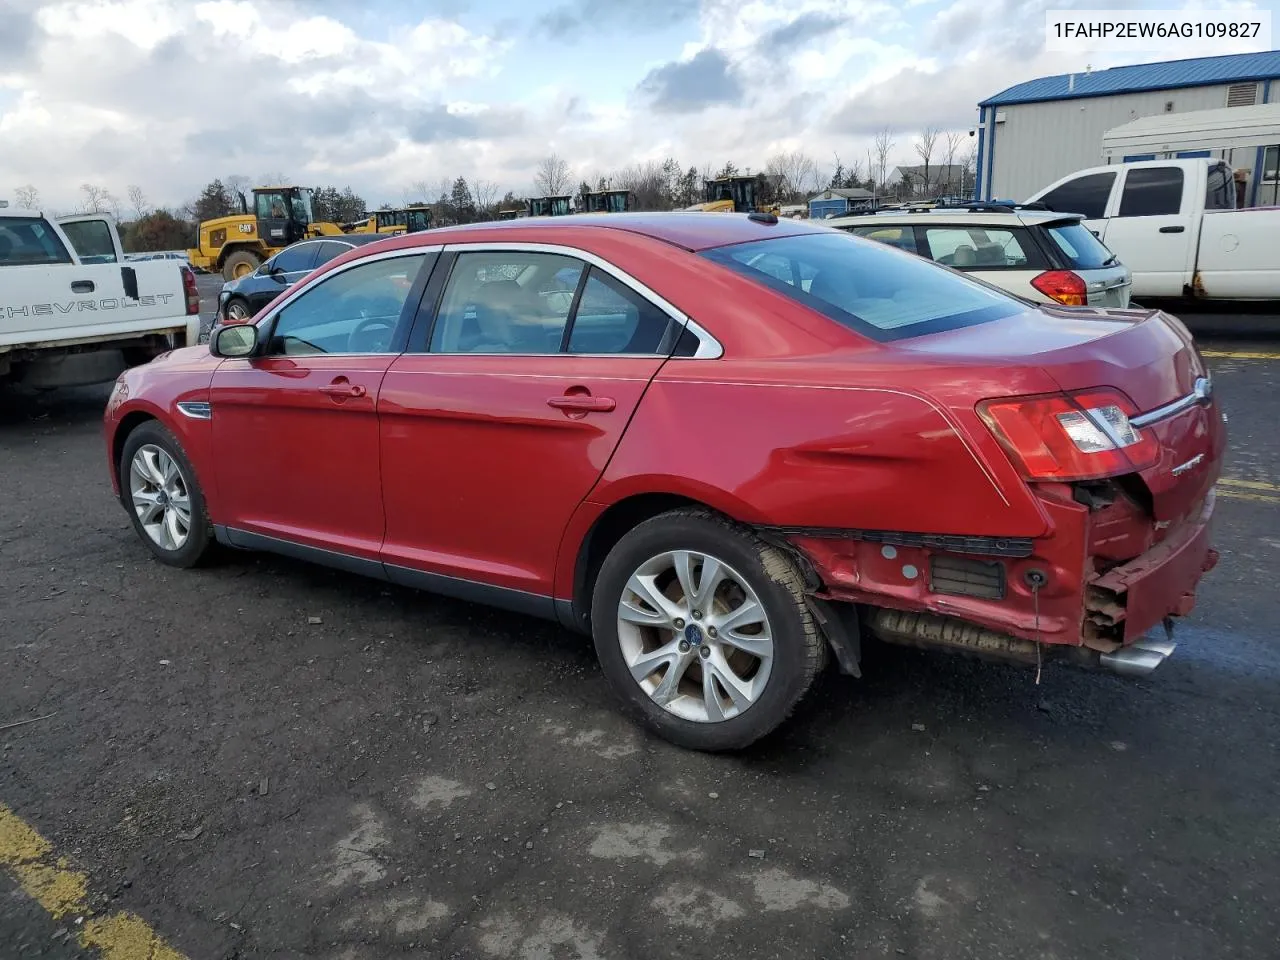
726	446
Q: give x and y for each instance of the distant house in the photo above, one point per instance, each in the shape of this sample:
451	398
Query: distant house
943	178
837	201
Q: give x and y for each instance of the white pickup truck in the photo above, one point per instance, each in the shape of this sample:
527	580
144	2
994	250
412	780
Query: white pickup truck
73	312
1175	225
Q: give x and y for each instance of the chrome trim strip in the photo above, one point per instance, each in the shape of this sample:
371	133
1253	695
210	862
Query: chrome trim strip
1201	394
195	409
709	348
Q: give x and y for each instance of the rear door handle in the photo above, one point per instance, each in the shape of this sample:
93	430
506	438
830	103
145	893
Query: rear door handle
583	403
82	286
343	390
1177	229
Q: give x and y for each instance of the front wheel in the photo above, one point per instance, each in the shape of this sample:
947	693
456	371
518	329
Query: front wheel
703	630
237	310
159	488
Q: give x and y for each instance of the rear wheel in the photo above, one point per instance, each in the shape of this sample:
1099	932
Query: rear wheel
703	630
159	488
240	264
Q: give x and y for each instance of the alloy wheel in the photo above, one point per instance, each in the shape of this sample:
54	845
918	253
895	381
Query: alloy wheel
160	497
695	636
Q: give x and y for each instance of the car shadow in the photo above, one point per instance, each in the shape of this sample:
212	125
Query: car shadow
67	406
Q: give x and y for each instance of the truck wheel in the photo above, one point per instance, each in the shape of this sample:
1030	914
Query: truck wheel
703	631
239	264
158	487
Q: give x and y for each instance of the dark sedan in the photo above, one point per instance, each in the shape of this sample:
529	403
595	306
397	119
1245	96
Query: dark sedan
243	297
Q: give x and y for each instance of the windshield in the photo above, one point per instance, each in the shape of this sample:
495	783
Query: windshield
1082	249
875	290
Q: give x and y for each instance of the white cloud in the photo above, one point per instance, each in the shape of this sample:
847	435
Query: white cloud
168	94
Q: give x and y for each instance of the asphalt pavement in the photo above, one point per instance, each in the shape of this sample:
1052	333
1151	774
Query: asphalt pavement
269	759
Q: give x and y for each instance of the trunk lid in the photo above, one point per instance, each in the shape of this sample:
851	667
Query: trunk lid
1148	356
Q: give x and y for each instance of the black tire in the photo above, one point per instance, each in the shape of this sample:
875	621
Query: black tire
798	650
238	259
199	541
240	302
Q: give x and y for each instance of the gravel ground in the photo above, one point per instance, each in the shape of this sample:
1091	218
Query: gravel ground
415	777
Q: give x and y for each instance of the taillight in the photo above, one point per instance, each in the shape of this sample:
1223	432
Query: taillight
1064	286
191	290
1070	437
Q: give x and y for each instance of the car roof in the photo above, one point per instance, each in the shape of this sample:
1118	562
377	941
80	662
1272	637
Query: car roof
956	215
692	230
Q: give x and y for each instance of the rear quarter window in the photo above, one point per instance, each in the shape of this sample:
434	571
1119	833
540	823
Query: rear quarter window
903	237
872	289
29	241
1078	246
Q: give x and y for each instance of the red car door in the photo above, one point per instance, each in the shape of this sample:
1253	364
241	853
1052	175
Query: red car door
295	430
498	426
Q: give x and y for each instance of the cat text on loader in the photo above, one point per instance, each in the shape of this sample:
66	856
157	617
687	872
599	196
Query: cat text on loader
732	195
235	245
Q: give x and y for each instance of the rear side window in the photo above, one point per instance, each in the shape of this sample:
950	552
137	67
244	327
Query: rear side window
296	259
1152	192
876	291
1084	195
612	318
978	247
904	237
330	250
92	241
1079	247
29	241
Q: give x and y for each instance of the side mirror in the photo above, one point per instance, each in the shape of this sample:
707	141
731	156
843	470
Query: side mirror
237	340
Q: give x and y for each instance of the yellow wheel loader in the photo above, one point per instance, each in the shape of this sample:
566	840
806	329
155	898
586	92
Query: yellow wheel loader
549	207
235	245
411	219
732	195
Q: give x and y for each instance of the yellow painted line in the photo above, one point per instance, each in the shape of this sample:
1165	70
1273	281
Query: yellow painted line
1240	355
1249	484
64	892
1256	497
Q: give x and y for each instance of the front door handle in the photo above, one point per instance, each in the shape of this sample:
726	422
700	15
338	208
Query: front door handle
583	403
343	390
1177	229
82	286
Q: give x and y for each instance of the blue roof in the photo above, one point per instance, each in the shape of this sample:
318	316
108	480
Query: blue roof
1203	71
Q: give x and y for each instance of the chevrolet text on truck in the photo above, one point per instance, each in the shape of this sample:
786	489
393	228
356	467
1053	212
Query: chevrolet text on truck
1175	225
73	312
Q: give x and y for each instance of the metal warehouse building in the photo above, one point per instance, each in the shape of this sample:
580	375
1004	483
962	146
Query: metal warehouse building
1036	132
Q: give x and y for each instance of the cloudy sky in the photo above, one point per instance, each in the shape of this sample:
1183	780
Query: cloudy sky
379	94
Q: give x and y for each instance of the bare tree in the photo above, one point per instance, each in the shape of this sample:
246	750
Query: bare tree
924	150
96	198
968	171
276	179
138	201
647	182
28	197
237	184
950	149
884	144
552	178
793	172
486	193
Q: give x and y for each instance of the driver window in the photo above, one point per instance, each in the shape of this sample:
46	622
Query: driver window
353	311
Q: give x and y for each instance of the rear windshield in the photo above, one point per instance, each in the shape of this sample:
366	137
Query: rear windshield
26	241
873	289
1082	250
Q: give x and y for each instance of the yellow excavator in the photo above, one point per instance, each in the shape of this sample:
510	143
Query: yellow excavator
236	244
606	201
732	195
